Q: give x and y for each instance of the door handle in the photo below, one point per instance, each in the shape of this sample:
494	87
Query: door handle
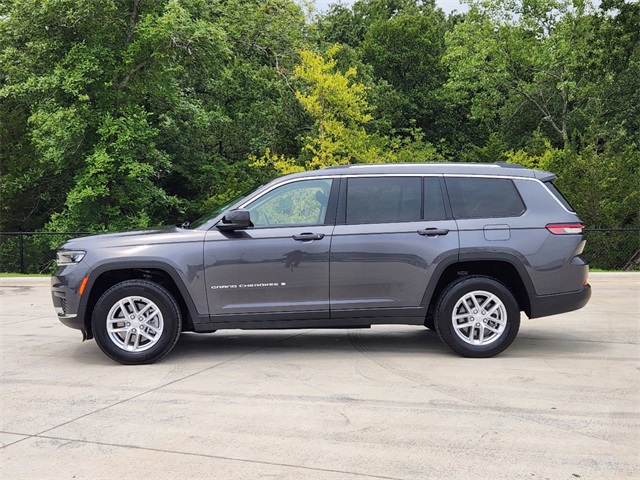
307	237
432	232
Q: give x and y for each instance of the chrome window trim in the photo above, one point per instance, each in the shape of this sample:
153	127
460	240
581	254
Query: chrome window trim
464	175
286	182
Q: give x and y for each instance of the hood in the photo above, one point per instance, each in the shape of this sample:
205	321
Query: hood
147	236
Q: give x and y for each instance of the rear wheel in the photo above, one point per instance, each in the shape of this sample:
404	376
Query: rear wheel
136	322
477	316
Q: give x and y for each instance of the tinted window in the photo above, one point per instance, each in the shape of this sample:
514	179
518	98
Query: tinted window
484	197
298	203
433	200
559	196
384	200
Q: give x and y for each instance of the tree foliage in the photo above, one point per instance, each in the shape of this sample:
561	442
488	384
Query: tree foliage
339	108
131	113
118	114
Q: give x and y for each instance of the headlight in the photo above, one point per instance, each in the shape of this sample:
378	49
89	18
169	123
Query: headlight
68	257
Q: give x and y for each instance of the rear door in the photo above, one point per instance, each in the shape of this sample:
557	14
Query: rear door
390	235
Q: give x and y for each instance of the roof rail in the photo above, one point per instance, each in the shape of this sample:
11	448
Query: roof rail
510	165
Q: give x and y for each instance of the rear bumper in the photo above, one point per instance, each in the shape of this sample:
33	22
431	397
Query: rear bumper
545	305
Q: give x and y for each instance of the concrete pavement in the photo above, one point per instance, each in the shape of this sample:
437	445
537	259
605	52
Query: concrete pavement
563	402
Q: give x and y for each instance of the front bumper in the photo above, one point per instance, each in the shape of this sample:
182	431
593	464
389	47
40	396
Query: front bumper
64	294
545	305
72	321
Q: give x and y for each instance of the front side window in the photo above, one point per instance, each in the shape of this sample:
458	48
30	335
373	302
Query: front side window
484	197
298	203
384	200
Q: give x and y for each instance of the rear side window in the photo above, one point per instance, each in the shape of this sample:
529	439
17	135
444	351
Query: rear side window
559	196
384	200
484	197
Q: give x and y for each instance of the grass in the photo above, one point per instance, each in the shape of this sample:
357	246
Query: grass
601	270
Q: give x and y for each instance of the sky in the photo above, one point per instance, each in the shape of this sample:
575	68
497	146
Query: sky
446	5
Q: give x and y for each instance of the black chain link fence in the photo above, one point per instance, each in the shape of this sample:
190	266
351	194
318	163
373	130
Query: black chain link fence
35	252
31	252
613	249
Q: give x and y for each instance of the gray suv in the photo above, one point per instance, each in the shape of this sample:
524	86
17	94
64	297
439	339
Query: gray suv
459	248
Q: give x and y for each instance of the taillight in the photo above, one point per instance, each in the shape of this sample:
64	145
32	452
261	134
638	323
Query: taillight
565	228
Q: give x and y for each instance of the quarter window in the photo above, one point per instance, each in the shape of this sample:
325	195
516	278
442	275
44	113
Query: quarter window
484	197
559	196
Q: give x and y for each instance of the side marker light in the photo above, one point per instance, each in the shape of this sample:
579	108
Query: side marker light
83	285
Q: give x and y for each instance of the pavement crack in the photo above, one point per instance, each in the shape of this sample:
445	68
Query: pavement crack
218	457
191	375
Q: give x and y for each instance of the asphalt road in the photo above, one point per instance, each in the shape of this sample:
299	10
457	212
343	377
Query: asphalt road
563	402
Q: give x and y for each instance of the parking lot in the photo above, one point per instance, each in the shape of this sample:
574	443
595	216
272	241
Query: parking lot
563	402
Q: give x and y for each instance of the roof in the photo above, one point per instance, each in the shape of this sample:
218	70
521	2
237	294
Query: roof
438	168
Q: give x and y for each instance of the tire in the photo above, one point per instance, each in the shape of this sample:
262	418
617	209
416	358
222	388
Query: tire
136	341
491	330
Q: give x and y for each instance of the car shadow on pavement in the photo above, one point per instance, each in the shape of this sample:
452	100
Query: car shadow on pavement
344	343
318	340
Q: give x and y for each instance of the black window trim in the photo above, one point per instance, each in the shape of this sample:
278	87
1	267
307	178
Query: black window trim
330	217
341	214
448	215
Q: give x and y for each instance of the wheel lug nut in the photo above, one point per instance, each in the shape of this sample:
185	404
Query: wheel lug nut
475	311
471	319
478	324
128	324
132	317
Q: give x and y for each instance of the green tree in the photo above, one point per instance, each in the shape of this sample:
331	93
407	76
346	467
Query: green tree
536	63
397	48
556	81
405	51
340	110
601	184
242	110
122	114
88	75
349	25
337	102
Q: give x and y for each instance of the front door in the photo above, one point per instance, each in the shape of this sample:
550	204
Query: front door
281	264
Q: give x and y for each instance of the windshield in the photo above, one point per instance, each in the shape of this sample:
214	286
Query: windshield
216	211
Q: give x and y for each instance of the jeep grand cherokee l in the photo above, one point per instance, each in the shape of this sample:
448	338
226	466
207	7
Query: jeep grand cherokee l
459	248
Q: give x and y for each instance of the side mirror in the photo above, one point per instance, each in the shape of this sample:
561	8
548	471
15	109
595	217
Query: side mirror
235	220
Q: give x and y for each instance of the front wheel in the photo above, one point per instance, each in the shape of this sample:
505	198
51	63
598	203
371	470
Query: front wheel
136	322
477	316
